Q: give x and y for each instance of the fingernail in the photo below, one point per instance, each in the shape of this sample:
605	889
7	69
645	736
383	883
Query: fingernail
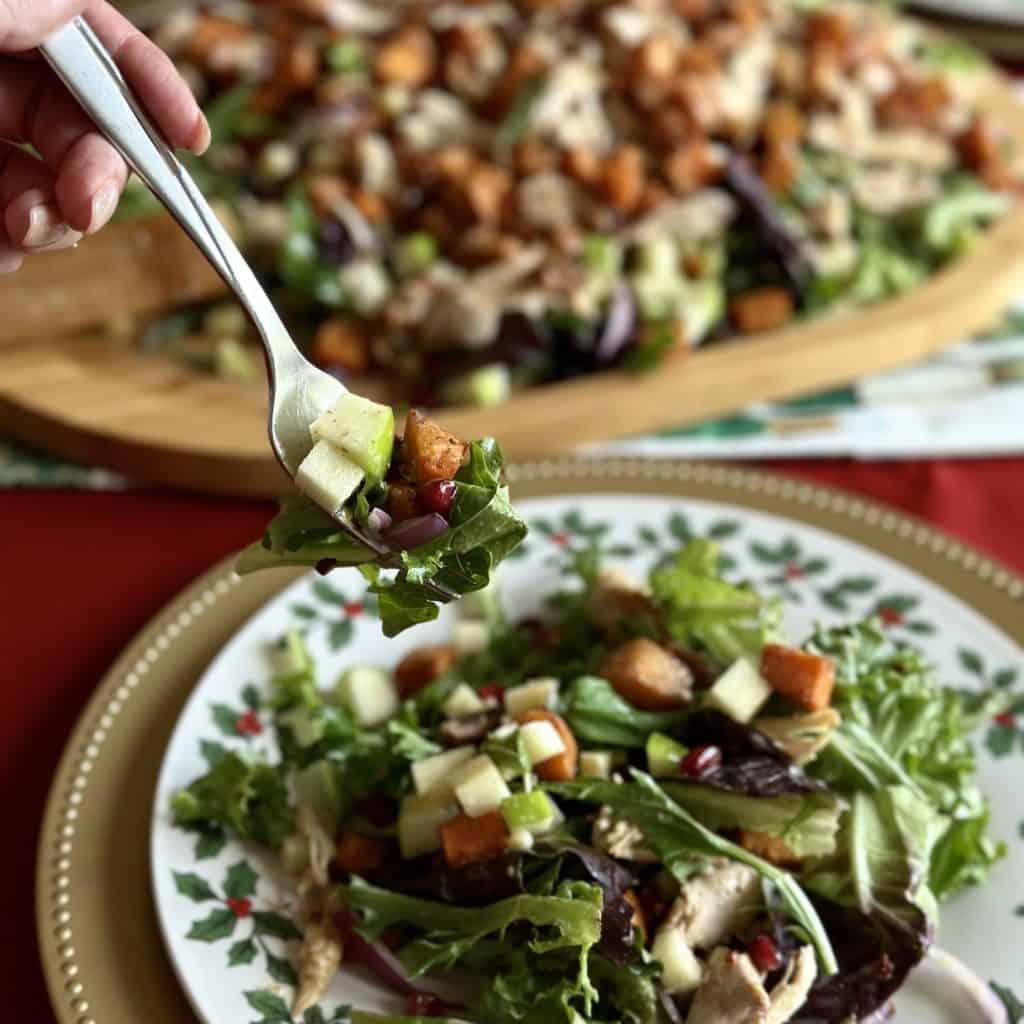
104	203
10	260
45	226
202	135
68	240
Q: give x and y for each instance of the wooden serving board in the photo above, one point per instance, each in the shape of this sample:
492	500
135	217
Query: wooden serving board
154	419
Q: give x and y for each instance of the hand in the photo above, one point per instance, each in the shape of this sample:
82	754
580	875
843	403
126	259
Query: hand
72	187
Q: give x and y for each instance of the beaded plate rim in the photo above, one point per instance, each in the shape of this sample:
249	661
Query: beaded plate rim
1000	597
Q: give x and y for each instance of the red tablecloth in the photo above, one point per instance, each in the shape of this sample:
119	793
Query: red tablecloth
82	572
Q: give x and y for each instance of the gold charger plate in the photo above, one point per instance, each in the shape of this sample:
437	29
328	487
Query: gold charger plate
102	953
98	401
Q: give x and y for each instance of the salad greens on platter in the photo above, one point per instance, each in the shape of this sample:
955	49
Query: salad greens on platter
457	210
436	509
644	807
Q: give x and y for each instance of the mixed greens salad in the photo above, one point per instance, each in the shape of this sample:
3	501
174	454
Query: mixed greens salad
643	807
428	505
455	203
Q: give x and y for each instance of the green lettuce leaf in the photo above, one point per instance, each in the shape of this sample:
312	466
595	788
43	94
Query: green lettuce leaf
250	797
808	822
902	728
597	714
483	530
881	864
529	989
364	1017
703	610
680	840
569	920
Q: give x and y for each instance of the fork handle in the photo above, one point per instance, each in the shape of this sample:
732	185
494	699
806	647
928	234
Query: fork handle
90	74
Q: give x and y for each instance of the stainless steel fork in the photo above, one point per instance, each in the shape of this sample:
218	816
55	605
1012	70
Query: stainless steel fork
299	391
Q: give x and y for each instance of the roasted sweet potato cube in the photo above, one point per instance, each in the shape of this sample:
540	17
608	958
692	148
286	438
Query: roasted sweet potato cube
401	501
359	855
647	675
761	309
421	667
430	452
561	767
806	679
467	840
342	343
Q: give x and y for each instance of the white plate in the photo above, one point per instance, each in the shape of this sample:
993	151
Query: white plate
229	956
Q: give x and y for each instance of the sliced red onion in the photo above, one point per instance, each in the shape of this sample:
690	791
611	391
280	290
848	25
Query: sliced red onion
378	520
415	532
379	959
619	324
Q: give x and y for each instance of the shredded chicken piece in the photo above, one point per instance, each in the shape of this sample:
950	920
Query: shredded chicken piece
716	904
319	959
803	737
615	596
791	992
621	839
569	110
321	846
887	190
731	992
702	215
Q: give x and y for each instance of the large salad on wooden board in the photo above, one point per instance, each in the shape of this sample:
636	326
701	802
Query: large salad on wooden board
465	198
645	807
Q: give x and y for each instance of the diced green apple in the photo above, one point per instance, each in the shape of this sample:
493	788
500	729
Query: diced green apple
433	774
664	755
470	637
419	822
484	387
483	605
462	701
534	693
533	811
680	969
328	476
479	786
520	840
541	741
363	430
290	654
369	693
596	764
740	692
306	728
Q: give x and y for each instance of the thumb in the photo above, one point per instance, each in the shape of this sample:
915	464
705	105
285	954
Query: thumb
24	24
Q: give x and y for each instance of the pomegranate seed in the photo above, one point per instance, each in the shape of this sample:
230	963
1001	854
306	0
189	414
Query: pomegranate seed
495	690
425	1004
699	761
437	496
765	954
325	565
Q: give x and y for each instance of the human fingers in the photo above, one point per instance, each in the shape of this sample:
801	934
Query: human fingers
31	217
24	24
88	172
153	77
